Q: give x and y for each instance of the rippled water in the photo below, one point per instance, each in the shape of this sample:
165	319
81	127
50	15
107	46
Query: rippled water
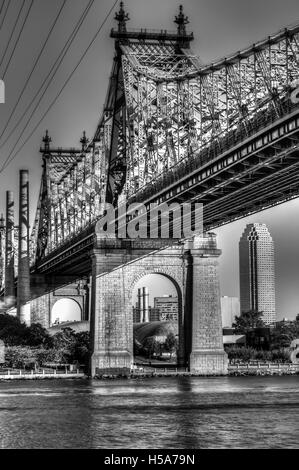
185	413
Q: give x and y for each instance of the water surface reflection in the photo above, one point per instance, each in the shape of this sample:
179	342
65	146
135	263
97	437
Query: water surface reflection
184	412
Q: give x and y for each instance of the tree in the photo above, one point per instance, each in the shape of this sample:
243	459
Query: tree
81	348
20	357
283	334
12	331
247	321
151	346
15	333
37	335
72	346
171	343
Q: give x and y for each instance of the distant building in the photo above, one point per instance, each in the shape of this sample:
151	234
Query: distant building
230	308
168	307
165	308
257	277
154	314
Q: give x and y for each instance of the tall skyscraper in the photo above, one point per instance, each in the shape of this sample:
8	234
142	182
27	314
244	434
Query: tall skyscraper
257	276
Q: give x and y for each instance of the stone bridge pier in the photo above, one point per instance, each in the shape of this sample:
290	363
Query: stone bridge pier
193	269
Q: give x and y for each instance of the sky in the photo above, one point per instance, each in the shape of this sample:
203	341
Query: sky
220	27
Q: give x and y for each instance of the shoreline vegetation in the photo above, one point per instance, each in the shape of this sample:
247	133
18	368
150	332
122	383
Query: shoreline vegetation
31	352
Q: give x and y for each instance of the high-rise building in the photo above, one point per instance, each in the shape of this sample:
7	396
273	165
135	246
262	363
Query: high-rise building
230	308
257	276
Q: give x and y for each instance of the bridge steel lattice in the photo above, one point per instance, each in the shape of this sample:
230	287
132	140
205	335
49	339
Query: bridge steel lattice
166	118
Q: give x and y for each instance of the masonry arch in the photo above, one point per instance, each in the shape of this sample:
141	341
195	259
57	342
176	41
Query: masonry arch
64	310
112	331
172	291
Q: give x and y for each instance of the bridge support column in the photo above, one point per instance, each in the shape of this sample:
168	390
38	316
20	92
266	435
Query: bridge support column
23	299
9	287
111	332
208	356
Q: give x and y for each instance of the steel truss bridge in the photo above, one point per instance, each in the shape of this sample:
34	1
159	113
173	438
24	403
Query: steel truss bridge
174	130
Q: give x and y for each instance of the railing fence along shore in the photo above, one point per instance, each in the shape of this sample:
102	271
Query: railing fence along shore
41	373
146	371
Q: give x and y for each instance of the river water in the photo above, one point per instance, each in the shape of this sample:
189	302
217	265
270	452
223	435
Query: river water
175	413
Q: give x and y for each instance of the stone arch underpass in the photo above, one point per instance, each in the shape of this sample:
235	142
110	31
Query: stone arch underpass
195	274
64	310
41	307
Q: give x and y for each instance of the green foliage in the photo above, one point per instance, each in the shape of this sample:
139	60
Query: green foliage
283	334
81	348
27	357
36	335
151	346
19	357
15	333
247	321
171	343
34	344
12	331
245	354
74	347
241	353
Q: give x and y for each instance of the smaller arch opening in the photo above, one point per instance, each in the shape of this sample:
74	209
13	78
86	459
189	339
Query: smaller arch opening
64	311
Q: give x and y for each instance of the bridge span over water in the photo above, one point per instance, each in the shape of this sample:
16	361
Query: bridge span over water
173	130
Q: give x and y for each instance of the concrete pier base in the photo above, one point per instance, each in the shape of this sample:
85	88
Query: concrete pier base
208	362
111	363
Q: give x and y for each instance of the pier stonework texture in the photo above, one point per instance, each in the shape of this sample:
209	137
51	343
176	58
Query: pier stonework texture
207	356
112	296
